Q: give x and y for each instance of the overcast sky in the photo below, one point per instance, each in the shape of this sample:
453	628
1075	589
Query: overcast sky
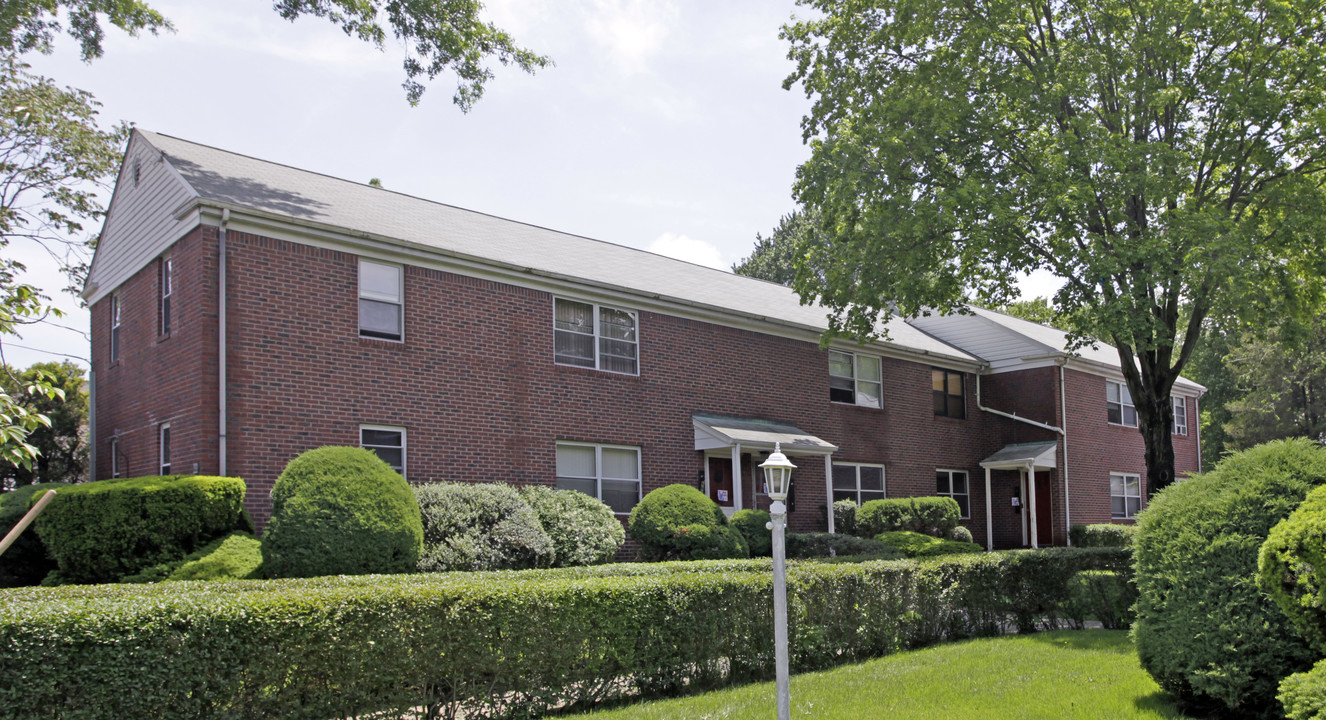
664	125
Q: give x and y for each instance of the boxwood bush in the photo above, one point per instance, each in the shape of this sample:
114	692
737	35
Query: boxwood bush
914	544
480	526
101	531
341	511
1204	630
753	526
934	516
678	522
237	556
844	517
1105	596
1101	535
823	545
1292	570
485	645
583	530
26	562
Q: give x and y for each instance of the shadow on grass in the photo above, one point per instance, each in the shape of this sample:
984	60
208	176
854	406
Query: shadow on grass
1161	703
1113	641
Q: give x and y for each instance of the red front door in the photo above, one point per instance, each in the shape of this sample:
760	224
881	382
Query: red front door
720	481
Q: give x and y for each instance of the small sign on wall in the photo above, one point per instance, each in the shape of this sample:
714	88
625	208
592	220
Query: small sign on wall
722	496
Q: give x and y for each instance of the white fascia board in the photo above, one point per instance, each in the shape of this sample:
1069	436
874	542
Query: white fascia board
244	219
1183	387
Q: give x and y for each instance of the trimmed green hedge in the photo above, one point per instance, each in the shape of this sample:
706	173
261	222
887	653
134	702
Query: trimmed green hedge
678	522
237	556
1101	535
490	644
934	516
341	511
1303	695
102	531
26	562
914	544
807	546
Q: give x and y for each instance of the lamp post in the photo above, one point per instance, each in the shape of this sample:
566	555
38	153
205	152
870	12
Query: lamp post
778	479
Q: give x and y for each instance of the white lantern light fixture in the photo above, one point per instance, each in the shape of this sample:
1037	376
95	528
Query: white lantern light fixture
778	474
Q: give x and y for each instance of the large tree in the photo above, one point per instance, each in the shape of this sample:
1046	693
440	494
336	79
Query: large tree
1165	158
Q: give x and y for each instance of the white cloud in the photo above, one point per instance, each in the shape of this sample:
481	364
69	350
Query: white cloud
1041	283
693	251
632	31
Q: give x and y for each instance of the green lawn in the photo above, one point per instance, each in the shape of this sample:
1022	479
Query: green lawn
1068	675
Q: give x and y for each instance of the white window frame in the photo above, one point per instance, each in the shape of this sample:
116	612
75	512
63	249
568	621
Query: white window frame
167	288
951	472
883	481
388	428
598	469
598	335
1123	406
164	448
962	377
1180	404
1125	477
857	380
398	299
115	456
115	328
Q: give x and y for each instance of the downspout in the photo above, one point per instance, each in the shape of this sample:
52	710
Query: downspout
1043	426
92	423
1010	416
1063	418
221	342
1197	423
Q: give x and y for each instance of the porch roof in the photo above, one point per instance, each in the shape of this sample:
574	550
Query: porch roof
719	431
1019	455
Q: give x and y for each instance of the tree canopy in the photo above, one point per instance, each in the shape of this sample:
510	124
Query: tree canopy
1166	159
775	257
61	447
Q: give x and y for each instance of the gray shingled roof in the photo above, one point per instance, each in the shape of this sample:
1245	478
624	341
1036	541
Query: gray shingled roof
306	196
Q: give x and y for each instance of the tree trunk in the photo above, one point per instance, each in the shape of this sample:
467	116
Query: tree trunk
1156	427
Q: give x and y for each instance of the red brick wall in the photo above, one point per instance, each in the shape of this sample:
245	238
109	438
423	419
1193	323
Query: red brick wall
160	378
475	386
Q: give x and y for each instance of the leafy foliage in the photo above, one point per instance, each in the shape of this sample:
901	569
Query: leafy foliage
752	524
32	24
960	534
844	516
61	449
934	516
507	644
916	545
1164	159
480	526
1292	567
341	511
103	531
775	258
235	556
1104	595
1101	535
1037	310
1303	695
808	546
678	522
26	562
1204	629
584	530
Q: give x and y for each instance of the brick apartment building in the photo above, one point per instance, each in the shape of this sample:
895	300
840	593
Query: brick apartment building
245	311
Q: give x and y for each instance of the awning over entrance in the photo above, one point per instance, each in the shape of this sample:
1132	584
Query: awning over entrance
714	432
1038	455
719	431
1026	458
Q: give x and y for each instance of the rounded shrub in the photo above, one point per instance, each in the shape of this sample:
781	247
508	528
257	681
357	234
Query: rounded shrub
1292	567
480	526
26	562
341	511
678	522
583	530
960	534
844	516
933	516
1204	630
753	526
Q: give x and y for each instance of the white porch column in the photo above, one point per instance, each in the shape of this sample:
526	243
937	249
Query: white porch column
1031	505
989	514
737	479
828	487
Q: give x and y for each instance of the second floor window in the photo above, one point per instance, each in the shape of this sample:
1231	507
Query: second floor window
947	387
1180	416
115	327
854	379
595	336
381	308
1119	404
167	287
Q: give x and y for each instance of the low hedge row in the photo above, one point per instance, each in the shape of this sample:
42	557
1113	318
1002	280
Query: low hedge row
489	645
935	516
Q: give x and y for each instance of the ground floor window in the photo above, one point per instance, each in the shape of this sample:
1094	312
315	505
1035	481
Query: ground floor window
1125	495
858	482
953	483
610	473
386	442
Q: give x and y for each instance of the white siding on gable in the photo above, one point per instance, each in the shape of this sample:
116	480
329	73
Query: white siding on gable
987	340
140	223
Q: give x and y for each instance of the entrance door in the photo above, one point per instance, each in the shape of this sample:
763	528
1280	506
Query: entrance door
720	481
1044	509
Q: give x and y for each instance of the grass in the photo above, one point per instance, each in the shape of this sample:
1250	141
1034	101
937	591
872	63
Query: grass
1066	675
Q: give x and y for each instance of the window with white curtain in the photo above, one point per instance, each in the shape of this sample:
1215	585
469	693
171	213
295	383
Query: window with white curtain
855	379
610	473
381	308
595	336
